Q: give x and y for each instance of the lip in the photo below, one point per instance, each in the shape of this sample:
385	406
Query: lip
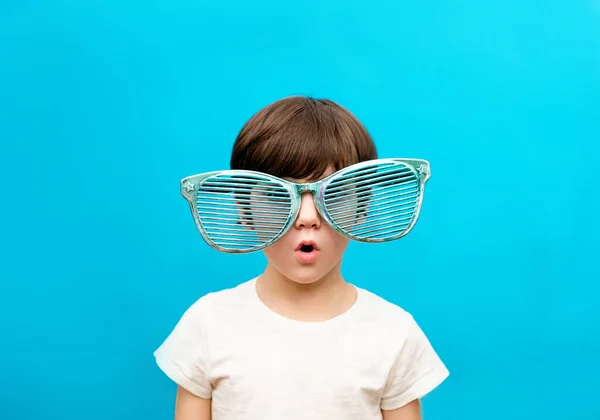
307	257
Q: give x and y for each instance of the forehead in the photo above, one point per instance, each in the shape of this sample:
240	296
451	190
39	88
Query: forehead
330	170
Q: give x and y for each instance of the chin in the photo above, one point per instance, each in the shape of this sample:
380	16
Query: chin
305	275
304	278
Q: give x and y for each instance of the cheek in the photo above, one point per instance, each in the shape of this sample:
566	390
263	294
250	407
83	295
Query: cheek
341	244
280	248
337	243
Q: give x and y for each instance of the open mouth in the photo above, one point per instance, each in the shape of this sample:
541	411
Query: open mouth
306	248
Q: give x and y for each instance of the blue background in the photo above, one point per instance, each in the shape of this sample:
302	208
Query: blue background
105	105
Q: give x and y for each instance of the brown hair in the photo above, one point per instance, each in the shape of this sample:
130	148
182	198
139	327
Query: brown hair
300	137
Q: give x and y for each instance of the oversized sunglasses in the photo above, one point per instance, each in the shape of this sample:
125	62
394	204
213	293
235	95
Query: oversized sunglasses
240	211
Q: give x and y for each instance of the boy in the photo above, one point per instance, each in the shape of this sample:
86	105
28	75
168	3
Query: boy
297	342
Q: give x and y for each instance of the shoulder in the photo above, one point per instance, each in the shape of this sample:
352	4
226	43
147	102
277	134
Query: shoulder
185	355
219	304
386	318
384	311
413	365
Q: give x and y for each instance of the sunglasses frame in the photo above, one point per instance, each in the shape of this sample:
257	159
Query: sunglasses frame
190	185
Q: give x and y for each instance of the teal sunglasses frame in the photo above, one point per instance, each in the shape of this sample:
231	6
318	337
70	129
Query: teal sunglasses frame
190	185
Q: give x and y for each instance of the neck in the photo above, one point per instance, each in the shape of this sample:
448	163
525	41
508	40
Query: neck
325	298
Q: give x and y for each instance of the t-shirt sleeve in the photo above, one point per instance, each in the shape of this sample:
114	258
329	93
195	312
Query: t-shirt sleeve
183	356
417	370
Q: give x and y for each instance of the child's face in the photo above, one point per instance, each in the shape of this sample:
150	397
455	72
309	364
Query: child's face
311	249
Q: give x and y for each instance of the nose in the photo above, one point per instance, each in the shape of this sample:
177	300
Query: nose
308	216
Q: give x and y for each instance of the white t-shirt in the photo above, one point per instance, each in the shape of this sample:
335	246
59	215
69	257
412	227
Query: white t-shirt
258	365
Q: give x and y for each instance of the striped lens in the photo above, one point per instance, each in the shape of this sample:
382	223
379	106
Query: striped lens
242	212
374	203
